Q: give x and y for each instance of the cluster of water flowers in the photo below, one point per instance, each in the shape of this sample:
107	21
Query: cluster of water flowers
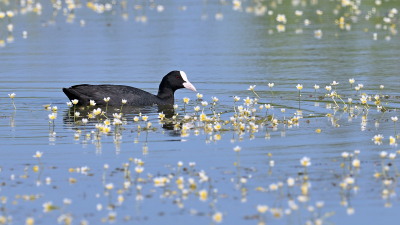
346	14
251	117
185	182
246	115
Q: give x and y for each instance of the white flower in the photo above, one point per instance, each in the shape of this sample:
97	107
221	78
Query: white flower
298	13
12	95
319	204
215	99
199	96
75	101
305	161
351	80
99	207
204	103
237	149
109	186
262	208
69	104
363	99
290	182
318	34
334	83
10	14
392	156
383	154
96	111
316	87
280	28
382	86
251	88
186	100
349	180
248	101
345	154
394	118
107	99
328	88
281	18
124	101
161	115
356	163
299	87
139	169
270	85
53	116
67	201
175	106
38	154
217	217
47	206
77	114
378	139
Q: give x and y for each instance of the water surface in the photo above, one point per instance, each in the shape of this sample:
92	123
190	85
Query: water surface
222	58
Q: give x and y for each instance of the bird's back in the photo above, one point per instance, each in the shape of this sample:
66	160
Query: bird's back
134	96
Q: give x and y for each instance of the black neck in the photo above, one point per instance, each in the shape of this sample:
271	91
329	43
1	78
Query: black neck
165	92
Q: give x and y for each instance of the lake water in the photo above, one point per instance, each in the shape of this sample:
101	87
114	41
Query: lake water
224	47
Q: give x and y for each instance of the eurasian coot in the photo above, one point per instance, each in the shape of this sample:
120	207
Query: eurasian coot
171	82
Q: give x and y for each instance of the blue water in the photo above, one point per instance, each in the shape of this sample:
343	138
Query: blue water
222	58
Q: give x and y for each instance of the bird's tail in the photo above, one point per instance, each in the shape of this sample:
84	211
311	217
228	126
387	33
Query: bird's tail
72	94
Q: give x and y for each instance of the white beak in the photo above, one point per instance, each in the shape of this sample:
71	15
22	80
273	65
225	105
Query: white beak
189	86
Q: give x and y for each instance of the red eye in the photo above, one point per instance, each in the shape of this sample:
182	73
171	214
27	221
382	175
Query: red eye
177	77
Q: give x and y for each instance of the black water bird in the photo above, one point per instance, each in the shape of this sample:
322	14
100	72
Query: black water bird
171	82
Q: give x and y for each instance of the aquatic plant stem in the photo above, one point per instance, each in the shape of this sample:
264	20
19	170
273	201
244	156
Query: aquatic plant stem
351	88
15	108
256	94
299	98
272	93
74	114
315	95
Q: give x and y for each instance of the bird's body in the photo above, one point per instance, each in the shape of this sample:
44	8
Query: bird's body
134	96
